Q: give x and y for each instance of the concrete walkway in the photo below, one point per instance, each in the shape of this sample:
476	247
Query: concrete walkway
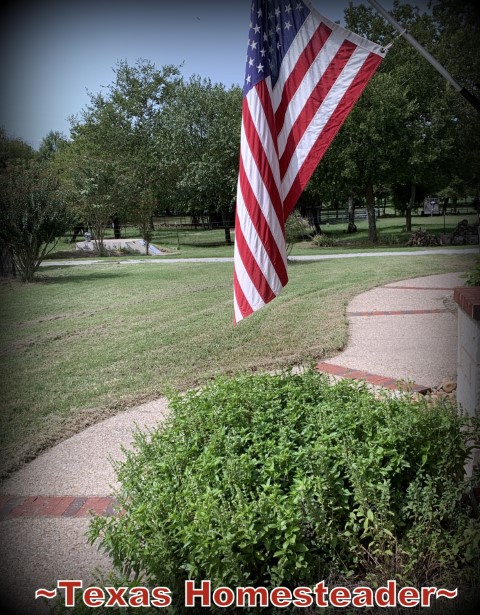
404	330
229	259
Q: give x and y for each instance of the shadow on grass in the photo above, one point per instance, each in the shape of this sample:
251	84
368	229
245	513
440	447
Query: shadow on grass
295	263
90	276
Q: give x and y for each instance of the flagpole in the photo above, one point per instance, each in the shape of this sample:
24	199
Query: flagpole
442	70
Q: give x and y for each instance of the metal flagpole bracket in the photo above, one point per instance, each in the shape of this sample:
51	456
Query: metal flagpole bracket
427	55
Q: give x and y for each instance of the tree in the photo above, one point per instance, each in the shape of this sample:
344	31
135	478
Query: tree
366	148
137	99
173	144
404	131
52	143
431	128
202	132
33	214
456	47
112	162
13	150
96	188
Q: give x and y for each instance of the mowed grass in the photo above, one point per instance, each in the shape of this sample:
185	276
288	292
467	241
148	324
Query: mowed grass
85	342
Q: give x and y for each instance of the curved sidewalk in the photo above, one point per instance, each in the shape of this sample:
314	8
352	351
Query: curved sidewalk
402	331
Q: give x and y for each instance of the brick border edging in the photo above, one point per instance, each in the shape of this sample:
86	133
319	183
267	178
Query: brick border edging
14	506
392	384
468	300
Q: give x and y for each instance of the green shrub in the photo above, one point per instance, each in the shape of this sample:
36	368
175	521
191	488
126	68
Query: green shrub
283	479
392	239
473	278
324	241
297	229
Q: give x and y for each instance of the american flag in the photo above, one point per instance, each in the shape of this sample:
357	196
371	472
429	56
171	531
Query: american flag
304	73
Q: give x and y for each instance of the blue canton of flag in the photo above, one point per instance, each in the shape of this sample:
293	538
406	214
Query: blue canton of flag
270	36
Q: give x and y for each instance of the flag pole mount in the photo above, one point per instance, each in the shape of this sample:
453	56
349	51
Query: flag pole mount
428	56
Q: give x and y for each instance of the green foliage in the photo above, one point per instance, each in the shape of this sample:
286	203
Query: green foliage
324	241
95	188
201	144
51	144
409	131
172	146
297	228
284	479
392	239
13	150
473	278
33	214
111	165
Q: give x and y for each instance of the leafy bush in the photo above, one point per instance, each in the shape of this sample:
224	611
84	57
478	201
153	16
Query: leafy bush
285	480
297	229
324	241
391	239
473	278
33	214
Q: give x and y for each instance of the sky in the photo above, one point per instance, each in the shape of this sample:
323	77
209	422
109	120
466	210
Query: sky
53	53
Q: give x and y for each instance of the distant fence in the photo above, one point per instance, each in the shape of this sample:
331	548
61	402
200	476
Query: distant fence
184	231
172	231
189	234
340	217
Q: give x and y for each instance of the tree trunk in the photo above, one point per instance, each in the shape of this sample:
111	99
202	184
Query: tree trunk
352	227
7	264
24	257
226	226
98	227
317	216
408	212
117	231
370	205
146	234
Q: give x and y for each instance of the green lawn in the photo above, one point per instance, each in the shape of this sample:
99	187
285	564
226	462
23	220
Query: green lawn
82	342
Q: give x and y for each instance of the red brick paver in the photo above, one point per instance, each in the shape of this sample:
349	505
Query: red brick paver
55	506
375	379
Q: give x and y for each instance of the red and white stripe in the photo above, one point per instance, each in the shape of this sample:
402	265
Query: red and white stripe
285	132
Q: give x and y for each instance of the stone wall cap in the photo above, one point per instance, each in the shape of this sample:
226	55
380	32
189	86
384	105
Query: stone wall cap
468	300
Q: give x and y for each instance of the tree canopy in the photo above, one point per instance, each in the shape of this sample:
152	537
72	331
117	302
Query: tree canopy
409	131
